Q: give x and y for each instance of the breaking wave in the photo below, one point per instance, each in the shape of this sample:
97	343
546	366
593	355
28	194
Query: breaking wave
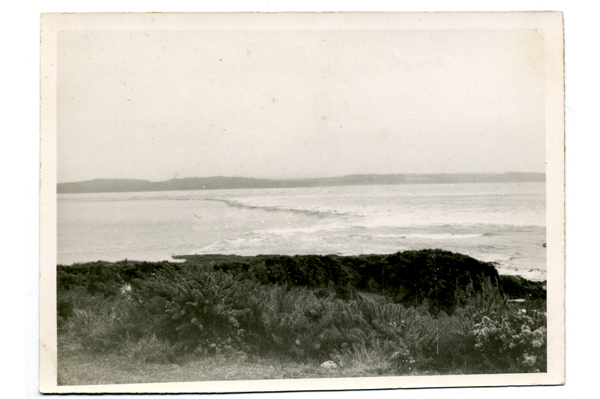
272	208
440	236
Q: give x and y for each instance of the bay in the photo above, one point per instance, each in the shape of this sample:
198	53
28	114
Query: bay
496	222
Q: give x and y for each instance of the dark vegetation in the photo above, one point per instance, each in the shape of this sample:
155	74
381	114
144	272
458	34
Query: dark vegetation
416	312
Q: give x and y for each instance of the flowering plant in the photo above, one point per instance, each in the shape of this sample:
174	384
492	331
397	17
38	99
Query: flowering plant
516	341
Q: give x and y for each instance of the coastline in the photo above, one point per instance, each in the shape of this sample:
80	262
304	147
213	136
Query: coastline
492	223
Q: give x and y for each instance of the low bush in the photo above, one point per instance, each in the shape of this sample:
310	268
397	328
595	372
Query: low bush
101	328
198	308
513	342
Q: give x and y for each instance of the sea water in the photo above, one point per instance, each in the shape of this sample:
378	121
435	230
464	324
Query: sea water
503	223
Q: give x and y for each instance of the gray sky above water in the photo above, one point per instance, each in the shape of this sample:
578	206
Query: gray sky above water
284	104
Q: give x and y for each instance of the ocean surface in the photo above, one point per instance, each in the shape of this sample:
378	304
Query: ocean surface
497	222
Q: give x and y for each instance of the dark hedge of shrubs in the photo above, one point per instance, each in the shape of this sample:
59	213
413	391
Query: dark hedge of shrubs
404	277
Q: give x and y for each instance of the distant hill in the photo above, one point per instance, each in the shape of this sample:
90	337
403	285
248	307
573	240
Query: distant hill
221	182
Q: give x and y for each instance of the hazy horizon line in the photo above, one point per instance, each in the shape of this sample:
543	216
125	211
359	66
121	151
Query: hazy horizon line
300	178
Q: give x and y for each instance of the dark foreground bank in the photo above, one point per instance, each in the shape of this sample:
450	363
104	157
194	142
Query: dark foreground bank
415	312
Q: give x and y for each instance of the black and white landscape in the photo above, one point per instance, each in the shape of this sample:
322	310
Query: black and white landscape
282	197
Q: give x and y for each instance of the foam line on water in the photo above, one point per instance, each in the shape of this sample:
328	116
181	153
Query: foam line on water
268	208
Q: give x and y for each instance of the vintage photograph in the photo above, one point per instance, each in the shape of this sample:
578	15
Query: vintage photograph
248	202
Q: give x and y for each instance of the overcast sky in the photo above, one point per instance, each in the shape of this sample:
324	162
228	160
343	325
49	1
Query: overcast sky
158	105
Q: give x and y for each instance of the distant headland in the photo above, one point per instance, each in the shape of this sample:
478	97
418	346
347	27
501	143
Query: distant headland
222	182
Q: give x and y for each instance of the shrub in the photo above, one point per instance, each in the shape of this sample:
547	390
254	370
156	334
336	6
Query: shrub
512	343
518	287
102	328
196	306
290	320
